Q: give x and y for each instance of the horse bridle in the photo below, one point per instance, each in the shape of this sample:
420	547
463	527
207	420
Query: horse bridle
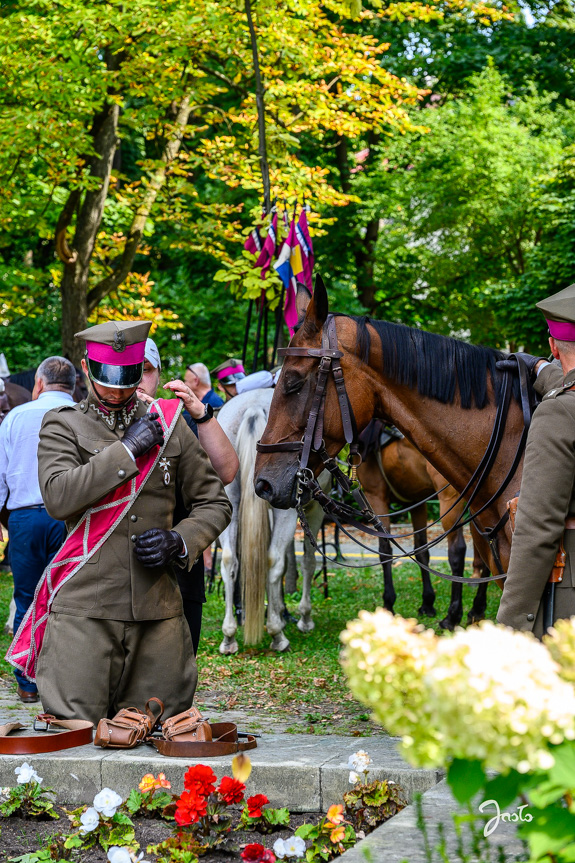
329	356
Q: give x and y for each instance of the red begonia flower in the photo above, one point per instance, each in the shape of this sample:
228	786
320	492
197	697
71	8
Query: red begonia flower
190	807
200	777
255	805
231	790
253	853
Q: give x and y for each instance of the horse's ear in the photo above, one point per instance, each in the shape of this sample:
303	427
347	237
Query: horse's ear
302	301
320	301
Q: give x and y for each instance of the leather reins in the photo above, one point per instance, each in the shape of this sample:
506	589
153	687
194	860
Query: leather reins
366	520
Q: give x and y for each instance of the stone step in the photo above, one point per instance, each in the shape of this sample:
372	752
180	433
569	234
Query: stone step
306	773
399	839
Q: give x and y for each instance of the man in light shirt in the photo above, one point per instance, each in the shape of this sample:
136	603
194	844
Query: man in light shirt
35	537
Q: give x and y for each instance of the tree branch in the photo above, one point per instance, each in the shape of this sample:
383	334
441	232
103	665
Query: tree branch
157	180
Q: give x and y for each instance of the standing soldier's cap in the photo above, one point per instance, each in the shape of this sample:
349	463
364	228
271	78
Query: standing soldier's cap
229	371
559	311
115	352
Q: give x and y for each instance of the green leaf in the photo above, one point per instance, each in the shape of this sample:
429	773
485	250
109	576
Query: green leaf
465	778
550	830
563	771
134	800
504	789
276	816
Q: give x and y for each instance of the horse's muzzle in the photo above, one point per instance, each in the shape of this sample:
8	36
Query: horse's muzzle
278	493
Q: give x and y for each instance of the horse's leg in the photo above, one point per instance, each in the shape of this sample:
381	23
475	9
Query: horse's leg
314	515
477	610
291	575
419	521
282	536
450	511
230	572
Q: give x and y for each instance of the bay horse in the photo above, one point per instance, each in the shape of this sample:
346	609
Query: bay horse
394	471
442	393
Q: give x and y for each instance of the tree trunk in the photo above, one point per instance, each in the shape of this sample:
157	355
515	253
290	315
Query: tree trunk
74	287
262	145
365	264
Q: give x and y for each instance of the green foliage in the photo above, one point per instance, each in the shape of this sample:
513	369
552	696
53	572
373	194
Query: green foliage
327	841
151	804
115	830
269	821
546	821
371	803
29	800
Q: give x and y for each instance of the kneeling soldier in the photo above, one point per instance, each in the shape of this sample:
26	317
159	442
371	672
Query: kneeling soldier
116	634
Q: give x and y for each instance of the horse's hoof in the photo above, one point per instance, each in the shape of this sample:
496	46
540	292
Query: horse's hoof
427	611
448	624
474	618
305	625
229	647
280	643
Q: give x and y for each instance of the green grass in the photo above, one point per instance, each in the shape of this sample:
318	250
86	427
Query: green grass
305	686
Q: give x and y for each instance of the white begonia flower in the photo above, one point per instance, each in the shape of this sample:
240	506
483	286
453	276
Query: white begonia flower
26	773
89	820
294	846
353	777
279	849
359	761
107	801
119	855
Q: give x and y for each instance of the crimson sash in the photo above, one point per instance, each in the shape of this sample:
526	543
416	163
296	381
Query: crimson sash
84	540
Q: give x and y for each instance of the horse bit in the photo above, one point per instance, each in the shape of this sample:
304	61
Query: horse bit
366	520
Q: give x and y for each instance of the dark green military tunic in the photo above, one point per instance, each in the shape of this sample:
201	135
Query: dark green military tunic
546	499
116	635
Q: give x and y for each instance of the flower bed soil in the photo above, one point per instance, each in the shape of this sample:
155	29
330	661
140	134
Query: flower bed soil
20	836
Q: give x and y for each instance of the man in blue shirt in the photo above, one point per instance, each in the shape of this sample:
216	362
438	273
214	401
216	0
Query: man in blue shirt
35	537
197	378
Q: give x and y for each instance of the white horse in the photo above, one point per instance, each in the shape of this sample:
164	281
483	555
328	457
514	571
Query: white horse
258	539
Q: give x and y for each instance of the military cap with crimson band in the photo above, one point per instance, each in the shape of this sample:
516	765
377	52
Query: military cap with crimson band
229	371
559	311
115	352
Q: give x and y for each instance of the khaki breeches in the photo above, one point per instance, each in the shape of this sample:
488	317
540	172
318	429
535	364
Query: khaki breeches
90	668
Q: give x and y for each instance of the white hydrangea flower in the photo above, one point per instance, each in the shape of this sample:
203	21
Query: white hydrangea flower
107	801
89	820
485	693
119	855
279	849
26	773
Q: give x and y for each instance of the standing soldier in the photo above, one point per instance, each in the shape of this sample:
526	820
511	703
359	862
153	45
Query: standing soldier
546	508
116	635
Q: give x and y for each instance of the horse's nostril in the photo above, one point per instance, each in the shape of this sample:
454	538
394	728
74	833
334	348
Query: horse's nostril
263	488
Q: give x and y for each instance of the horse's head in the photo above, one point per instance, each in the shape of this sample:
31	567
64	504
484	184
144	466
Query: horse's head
275	472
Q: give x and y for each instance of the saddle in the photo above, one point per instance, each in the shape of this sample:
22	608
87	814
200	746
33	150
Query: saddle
375	436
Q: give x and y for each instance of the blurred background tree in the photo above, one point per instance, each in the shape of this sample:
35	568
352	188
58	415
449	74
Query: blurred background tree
434	141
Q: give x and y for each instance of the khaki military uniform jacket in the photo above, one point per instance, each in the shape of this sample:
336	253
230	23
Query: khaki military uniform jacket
546	499
80	460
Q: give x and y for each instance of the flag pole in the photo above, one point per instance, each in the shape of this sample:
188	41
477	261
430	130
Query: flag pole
258	331
279	316
265	339
262	147
247	332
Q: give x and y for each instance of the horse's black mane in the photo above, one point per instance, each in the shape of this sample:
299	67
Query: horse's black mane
437	365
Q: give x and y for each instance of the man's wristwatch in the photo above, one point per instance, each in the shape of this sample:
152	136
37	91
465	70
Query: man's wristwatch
207	416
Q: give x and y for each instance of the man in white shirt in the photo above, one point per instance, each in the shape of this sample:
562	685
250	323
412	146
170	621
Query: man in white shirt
35	537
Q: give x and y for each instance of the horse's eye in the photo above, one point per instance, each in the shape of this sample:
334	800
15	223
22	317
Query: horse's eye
293	385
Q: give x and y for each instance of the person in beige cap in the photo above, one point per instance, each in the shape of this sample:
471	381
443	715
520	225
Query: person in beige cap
116	635
546	508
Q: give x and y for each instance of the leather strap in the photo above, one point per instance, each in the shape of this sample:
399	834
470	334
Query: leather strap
570	522
224	742
74	732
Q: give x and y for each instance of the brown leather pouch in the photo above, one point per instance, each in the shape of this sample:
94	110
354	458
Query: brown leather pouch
556	576
187	727
128	727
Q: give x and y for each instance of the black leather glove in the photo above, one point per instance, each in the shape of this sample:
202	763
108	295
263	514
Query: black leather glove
157	547
144	434
510	365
